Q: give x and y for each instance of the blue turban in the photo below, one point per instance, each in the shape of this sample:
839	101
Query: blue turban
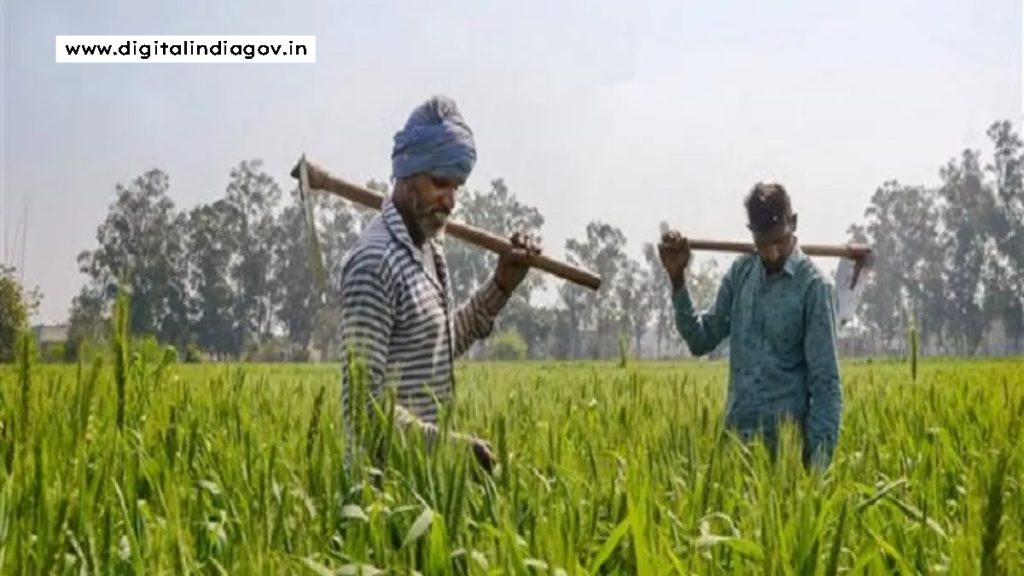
435	139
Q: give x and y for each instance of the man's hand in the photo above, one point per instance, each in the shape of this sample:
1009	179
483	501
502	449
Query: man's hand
512	266
674	252
483	453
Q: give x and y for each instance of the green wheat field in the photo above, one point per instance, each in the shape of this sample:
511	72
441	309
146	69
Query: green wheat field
136	464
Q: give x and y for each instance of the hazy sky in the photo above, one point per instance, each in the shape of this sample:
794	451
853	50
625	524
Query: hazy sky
625	112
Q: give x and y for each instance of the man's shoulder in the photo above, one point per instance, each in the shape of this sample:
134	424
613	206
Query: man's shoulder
814	283
740	266
811	273
372	251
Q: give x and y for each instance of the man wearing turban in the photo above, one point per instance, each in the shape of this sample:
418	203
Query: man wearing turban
396	309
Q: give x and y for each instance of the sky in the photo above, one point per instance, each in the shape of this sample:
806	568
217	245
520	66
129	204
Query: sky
626	113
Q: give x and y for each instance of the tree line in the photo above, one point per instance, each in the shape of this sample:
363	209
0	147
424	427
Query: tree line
233	279
951	256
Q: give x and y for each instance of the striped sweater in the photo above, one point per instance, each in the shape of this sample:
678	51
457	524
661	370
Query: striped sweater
398	317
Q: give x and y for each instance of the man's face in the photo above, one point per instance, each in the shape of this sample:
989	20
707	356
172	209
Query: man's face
775	245
432	200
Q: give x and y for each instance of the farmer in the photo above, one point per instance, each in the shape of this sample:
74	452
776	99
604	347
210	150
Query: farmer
776	307
396	309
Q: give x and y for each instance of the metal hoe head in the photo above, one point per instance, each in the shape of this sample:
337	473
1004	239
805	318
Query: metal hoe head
305	196
849	285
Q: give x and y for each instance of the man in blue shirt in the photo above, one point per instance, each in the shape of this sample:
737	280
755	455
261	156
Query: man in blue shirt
778	311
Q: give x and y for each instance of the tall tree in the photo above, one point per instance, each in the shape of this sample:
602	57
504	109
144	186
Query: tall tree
141	248
293	271
903	226
338	226
16	307
634	302
603	250
572	319
969	204
1007	296
501	213
252	199
211	249
659	290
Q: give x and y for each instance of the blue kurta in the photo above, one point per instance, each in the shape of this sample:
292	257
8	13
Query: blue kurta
782	348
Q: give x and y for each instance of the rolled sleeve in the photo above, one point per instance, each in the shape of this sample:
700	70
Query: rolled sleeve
702	332
475	319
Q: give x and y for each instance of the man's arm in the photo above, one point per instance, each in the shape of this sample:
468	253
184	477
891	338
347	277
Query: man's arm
474	320
823	374
367	318
702	332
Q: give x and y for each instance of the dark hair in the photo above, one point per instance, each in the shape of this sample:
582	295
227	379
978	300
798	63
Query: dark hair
767	206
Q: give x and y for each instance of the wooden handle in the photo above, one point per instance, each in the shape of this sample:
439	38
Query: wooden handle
320	179
852	251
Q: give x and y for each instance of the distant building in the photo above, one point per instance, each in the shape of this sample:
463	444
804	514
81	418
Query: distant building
48	337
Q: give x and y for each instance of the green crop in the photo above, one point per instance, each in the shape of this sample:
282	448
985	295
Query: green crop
136	464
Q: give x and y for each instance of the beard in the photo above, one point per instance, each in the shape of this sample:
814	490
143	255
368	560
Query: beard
431	221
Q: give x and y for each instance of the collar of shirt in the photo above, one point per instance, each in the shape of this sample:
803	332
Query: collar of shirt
396	225
793	261
790	267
